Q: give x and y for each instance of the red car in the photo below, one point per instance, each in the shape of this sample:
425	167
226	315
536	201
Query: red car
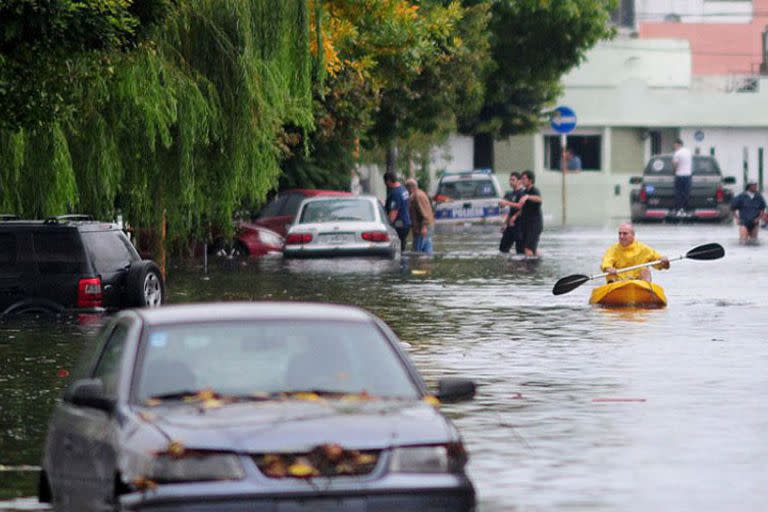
253	240
278	214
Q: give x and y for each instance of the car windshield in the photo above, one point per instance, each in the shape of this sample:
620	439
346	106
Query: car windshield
662	166
337	210
247	359
467	189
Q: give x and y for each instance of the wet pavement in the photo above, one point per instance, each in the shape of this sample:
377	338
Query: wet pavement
579	408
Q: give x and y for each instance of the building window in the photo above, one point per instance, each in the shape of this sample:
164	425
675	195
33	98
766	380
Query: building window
624	15
587	147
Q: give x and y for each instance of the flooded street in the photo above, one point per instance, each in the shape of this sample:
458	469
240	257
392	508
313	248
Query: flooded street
579	408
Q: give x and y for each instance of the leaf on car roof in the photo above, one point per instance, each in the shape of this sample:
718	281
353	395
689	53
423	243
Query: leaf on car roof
432	400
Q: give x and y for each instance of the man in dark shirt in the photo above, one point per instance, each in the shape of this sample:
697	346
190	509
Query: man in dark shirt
531	219
511	229
748	208
397	207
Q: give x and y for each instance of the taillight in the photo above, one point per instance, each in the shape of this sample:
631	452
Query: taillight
298	238
376	236
89	293
643	194
719	194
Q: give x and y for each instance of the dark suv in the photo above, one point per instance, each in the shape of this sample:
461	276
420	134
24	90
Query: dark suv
654	199
71	264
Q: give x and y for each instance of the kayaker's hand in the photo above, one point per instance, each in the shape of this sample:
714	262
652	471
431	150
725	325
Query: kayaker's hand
665	262
611	271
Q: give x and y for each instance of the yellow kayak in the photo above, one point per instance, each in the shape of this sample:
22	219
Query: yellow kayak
631	293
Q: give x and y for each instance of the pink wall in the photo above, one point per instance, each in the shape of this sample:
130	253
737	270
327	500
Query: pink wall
718	48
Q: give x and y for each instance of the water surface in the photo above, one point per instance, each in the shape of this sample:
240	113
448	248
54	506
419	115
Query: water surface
579	408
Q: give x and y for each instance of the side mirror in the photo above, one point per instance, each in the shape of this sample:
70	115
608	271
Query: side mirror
729	180
90	393
455	389
635	180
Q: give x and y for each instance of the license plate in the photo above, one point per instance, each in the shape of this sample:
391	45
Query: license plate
338	238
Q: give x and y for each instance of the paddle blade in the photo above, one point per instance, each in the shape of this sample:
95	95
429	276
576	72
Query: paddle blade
706	252
569	283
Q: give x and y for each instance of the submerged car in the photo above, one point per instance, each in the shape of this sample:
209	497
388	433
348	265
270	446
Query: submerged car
254	240
654	197
254	406
279	213
471	196
72	264
341	226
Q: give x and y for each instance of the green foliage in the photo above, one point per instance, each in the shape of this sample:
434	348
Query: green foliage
50	49
397	71
190	124
534	43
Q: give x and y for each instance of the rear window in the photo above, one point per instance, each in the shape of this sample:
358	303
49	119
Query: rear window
58	252
702	166
291	206
272	208
468	189
7	250
109	250
338	210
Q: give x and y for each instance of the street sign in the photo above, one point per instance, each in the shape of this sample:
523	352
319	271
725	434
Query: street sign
563	119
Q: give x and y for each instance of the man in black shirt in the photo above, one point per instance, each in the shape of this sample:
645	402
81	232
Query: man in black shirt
531	220
511	229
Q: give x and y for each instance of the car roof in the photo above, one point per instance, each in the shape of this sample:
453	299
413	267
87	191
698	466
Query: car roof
466	176
82	225
229	311
311	192
336	198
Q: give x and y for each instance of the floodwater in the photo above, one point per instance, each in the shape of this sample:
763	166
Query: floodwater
578	408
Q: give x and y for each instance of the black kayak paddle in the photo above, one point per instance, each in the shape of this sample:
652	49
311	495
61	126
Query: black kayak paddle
702	252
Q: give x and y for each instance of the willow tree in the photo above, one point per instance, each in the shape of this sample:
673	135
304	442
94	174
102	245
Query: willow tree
184	128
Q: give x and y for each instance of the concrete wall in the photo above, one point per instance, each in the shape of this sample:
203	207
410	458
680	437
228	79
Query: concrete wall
514	154
729	145
627	151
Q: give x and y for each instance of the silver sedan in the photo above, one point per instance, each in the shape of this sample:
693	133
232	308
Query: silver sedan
341	226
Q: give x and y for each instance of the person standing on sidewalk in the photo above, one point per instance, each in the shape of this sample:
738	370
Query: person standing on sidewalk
682	161
422	217
397	207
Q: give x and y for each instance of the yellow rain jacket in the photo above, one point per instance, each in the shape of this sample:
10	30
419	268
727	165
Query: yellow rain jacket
621	257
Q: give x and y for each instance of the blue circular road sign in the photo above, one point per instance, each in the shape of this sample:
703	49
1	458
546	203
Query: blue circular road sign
563	119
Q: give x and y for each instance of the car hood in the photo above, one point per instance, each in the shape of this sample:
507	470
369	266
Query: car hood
297	426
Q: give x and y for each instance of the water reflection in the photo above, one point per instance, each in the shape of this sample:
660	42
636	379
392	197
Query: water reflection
541	434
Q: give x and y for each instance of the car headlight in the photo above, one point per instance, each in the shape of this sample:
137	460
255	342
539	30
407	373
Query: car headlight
450	458
270	238
196	467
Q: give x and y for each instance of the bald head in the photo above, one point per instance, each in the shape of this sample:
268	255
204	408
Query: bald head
626	234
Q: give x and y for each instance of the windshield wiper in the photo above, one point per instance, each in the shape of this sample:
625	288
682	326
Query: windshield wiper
176	395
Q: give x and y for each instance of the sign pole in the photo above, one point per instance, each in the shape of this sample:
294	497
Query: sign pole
563	121
563	168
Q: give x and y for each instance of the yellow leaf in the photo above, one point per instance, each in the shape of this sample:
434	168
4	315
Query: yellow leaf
175	449
432	400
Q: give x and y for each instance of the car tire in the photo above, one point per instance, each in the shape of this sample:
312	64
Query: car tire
144	285
33	306
240	250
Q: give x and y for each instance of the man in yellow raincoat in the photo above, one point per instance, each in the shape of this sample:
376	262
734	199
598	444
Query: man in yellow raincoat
627	253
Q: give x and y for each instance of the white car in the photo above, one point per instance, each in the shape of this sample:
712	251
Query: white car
341	226
471	196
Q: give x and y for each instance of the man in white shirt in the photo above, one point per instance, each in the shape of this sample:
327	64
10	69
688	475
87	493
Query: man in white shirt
682	162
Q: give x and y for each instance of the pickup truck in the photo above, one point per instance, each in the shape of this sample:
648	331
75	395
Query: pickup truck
653	198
